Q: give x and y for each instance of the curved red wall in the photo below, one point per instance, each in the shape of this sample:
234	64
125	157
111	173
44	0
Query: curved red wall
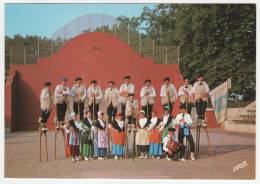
94	55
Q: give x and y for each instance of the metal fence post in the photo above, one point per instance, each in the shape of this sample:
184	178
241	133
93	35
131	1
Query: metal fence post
153	49
24	56
128	35
51	48
77	26
166	55
38	51
178	48
140	44
10	54
115	30
103	22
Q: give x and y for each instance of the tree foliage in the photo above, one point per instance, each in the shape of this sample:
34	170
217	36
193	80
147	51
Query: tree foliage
217	40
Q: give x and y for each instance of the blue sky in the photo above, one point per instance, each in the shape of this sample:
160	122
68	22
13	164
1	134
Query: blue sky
45	19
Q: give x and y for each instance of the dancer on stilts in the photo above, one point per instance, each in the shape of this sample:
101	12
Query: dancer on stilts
46	101
125	89
112	101
94	98
61	99
168	94
148	96
131	112
200	98
185	95
79	93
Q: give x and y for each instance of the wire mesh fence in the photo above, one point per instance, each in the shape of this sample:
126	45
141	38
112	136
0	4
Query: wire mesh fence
29	53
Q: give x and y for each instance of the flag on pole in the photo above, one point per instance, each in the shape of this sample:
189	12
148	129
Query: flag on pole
219	98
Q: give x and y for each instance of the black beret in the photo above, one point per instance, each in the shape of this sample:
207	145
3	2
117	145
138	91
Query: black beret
127	77
78	79
63	78
47	83
147	80
131	94
112	82
171	129
183	106
93	82
166	79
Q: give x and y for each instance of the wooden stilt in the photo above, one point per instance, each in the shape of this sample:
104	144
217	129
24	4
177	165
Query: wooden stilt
43	133
46	146
198	140
40	146
55	148
209	142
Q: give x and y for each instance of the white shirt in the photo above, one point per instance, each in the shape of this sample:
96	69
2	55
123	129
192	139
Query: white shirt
142	122
179	118
96	90
44	93
197	83
61	90
120	124
113	90
127	87
166	140
73	91
150	89
101	123
182	90
153	123
165	119
171	89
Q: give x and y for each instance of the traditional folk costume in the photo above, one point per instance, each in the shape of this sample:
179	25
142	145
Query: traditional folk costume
147	101
171	146
155	137
87	137
168	95
118	137
200	91
185	94
79	94
102	138
73	132
46	101
124	91
95	139
142	137
166	123
131	111
93	102
112	102
61	99
184	121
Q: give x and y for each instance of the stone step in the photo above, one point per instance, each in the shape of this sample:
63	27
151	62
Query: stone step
247	116
244	122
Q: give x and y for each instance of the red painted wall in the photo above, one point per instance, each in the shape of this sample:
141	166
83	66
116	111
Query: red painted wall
94	55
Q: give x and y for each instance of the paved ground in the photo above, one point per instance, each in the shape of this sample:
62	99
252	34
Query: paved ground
22	161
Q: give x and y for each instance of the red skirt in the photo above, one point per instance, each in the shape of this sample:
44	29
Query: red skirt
118	137
155	136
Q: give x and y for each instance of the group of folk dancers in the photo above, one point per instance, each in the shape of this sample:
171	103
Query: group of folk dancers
89	133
